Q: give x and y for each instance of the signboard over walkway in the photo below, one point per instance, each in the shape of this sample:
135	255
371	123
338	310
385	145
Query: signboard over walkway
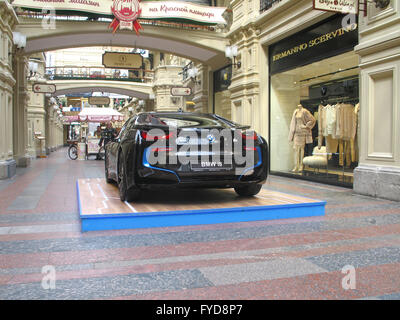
99	101
122	60
155	10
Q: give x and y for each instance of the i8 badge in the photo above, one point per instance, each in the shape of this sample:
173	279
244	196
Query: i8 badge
126	13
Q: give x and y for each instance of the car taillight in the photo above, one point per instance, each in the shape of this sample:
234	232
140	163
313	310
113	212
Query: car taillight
162	149
249	135
250	148
148	137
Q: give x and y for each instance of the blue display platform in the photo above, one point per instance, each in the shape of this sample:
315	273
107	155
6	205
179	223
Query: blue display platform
101	209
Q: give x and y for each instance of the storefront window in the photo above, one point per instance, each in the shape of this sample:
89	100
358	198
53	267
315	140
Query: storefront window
222	101
315	107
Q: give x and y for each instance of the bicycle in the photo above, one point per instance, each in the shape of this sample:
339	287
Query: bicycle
73	151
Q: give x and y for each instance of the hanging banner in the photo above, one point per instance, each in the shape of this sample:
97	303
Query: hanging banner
182	10
126	12
342	6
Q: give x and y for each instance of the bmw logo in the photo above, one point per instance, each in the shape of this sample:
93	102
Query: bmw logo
211	138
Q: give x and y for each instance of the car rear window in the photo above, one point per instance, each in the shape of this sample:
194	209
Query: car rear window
183	120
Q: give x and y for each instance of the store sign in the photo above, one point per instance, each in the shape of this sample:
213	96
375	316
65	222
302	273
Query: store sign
340	6
120	60
43	88
99	101
326	39
181	91
130	10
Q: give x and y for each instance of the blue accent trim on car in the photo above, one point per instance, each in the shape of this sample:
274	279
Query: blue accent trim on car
148	165
257	164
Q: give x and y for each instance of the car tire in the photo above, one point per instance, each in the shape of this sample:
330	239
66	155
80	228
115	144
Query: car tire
249	190
108	180
125	194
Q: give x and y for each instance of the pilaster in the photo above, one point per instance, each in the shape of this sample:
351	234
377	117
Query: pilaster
378	173
200	88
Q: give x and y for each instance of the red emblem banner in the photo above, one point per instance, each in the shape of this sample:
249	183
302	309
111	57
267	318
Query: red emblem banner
126	13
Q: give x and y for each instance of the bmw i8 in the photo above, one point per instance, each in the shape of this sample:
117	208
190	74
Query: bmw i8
185	150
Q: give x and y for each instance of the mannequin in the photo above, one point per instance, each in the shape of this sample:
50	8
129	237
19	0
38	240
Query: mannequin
298	158
300	133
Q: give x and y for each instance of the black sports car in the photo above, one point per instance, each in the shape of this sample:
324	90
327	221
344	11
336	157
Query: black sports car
179	149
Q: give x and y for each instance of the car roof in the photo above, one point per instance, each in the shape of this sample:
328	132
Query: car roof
193	114
177	113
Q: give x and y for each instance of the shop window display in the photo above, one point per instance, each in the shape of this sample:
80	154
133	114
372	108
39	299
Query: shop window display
314	92
314	120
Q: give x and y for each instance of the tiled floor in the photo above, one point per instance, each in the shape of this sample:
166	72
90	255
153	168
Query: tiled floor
281	259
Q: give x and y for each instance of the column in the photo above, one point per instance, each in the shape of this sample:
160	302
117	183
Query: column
36	110
48	106
52	133
8	20
167	75
246	75
20	131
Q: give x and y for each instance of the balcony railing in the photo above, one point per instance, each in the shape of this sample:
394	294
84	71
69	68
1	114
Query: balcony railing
98	73
267	4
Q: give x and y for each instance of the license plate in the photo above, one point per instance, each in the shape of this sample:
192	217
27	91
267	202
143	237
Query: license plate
211	165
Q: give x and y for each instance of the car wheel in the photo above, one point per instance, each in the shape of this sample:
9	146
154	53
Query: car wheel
124	193
108	180
249	190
